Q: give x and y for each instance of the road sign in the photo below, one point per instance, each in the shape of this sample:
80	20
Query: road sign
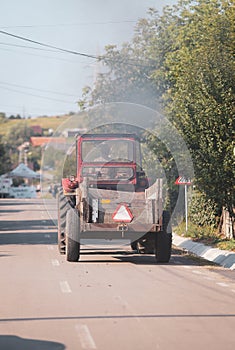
122	214
182	180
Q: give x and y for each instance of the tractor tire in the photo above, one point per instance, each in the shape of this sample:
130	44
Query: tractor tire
163	247
72	236
63	206
166	221
163	244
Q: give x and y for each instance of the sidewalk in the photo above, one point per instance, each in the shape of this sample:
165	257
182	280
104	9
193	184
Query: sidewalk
224	258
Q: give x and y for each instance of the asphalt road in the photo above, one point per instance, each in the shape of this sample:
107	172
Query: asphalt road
110	300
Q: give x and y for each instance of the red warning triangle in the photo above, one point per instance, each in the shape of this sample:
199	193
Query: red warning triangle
122	214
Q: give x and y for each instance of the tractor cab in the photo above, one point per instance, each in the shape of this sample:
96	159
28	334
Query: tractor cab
110	161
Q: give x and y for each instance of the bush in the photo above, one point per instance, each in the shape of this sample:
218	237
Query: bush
203	211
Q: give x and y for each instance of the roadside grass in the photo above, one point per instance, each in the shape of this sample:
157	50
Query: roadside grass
206	235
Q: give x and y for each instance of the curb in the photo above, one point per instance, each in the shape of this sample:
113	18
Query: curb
224	258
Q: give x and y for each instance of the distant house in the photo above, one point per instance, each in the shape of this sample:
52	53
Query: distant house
37	130
43	141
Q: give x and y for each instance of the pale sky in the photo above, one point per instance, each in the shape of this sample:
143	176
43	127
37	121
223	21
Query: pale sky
38	81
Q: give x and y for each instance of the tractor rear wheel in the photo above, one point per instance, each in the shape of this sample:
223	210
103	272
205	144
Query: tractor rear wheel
72	235
163	243
163	247
63	206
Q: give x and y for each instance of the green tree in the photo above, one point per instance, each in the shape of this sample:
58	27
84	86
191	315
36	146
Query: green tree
126	76
18	134
5	161
200	97
184	60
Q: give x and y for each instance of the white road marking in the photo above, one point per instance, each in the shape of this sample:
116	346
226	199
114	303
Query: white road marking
55	262
208	278
47	236
197	272
64	286
85	337
221	284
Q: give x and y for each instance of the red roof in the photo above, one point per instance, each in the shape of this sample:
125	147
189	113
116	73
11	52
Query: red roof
41	141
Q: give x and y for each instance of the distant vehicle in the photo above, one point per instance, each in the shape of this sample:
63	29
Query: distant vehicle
109	198
7	190
5	185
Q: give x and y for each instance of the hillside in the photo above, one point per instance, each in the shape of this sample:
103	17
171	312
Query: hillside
44	122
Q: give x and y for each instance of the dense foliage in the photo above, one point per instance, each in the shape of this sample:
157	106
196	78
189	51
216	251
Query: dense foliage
183	61
9	148
5	162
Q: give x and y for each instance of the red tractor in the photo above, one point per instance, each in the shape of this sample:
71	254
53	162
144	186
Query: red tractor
110	198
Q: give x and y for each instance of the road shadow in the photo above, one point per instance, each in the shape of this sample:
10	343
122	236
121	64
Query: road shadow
29	237
16	202
18	225
178	257
132	259
12	342
5	255
9	211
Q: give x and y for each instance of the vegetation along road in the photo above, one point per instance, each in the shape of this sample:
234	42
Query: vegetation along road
111	299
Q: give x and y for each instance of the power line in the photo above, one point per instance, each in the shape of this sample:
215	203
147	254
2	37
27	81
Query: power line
99	58
19	107
38	49
36	89
28	47
67	24
34	95
47	45
37	55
